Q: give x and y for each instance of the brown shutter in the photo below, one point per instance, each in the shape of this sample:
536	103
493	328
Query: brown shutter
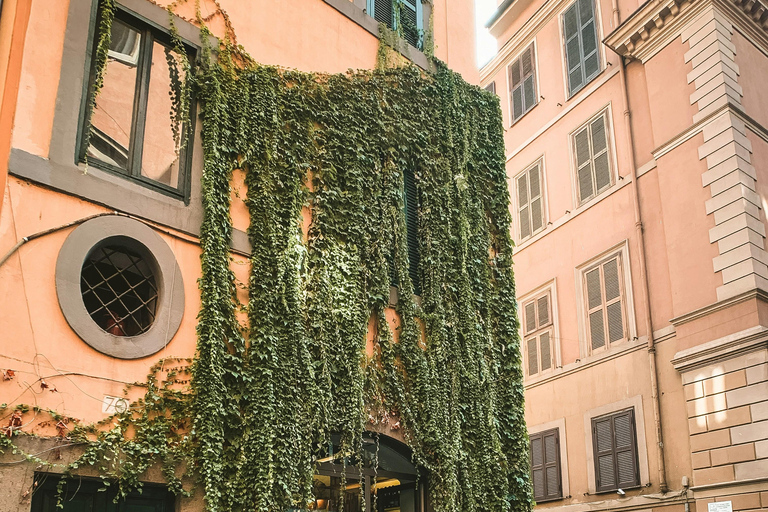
542	304
545	465
533	359
615	448
613	309
523	206
530	317
583	165
534	181
600	154
545	351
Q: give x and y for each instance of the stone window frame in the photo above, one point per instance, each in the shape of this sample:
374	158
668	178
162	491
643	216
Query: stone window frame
62	171
636	403
139	238
550	287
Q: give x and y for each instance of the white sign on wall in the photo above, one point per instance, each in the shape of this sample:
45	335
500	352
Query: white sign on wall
720	506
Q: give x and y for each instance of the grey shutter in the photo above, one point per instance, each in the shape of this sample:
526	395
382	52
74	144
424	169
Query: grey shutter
542	304
491	87
583	164
626	449
545	351
524	207
614	313
522	83
382	12
591	63
602	443
600	154
615	447
571	26
412	226
537	217
533	359
516	90
594	300
545	465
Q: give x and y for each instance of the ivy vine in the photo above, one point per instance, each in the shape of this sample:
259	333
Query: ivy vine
266	396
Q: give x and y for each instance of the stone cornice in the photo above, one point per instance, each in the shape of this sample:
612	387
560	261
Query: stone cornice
657	22
727	347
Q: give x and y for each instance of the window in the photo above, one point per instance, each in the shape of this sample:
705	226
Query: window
396	13
411	196
491	87
84	495
530	206
614	442
605	303
593	163
545	465
581	50
522	83
119	287
537	322
132	130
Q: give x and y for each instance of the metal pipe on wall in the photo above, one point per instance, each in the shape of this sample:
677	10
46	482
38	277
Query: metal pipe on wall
654	375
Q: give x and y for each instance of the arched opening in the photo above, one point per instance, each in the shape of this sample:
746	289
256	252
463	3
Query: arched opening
384	481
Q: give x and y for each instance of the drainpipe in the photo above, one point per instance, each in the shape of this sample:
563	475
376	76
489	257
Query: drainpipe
643	270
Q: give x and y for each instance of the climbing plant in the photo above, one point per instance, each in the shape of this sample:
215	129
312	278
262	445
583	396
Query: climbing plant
316	354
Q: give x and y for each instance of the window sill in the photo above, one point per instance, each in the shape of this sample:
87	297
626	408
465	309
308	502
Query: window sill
523	244
359	16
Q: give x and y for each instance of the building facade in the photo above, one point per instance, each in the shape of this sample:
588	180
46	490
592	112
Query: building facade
637	156
79	207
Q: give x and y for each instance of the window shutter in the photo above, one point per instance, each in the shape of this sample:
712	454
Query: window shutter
515	79
583	165
613	292
542	304
626	449
530	317
573	48
600	152
382	11
491	87
524	207
615	448
522	83
529	78
545	465
588	39
545	351
412	225
537	217
533	359
410	21
595	300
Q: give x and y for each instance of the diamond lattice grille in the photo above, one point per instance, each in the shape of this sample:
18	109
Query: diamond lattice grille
119	291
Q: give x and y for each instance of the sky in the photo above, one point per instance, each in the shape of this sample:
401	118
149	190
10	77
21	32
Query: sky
486	44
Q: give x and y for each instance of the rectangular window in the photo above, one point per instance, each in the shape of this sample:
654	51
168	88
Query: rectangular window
397	13
545	465
537	326
85	495
604	298
522	83
491	87
133	130
614	441
530	203
581	44
593	163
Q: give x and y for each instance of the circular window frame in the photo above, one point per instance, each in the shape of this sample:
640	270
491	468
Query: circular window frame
138	237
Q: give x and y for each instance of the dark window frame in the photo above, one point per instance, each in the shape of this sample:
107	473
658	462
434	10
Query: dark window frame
556	463
44	497
615	450
150	33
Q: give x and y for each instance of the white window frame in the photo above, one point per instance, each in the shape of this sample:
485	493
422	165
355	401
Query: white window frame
585	344
510	107
636	403
558	424
551	288
544	204
606	111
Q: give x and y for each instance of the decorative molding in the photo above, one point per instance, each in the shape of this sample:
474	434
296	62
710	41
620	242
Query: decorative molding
721	349
718	306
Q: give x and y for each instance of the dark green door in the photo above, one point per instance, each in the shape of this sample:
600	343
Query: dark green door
88	495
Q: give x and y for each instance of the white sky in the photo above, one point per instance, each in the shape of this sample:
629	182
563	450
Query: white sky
486	44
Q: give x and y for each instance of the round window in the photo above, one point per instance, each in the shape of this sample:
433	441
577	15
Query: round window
119	287
119	290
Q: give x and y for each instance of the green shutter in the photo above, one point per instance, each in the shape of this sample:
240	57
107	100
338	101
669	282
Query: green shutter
410	19
411	196
382	11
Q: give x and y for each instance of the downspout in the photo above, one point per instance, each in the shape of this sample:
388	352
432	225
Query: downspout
654	374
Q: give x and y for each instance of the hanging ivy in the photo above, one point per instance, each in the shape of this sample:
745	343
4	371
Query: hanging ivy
266	396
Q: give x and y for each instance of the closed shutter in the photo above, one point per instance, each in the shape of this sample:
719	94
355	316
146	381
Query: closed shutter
581	44
409	18
412	226
615	448
545	465
593	165
522	83
605	308
382	11
491	87
530	205
537	324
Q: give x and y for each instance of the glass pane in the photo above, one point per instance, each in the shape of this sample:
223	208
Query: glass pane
112	117
160	155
